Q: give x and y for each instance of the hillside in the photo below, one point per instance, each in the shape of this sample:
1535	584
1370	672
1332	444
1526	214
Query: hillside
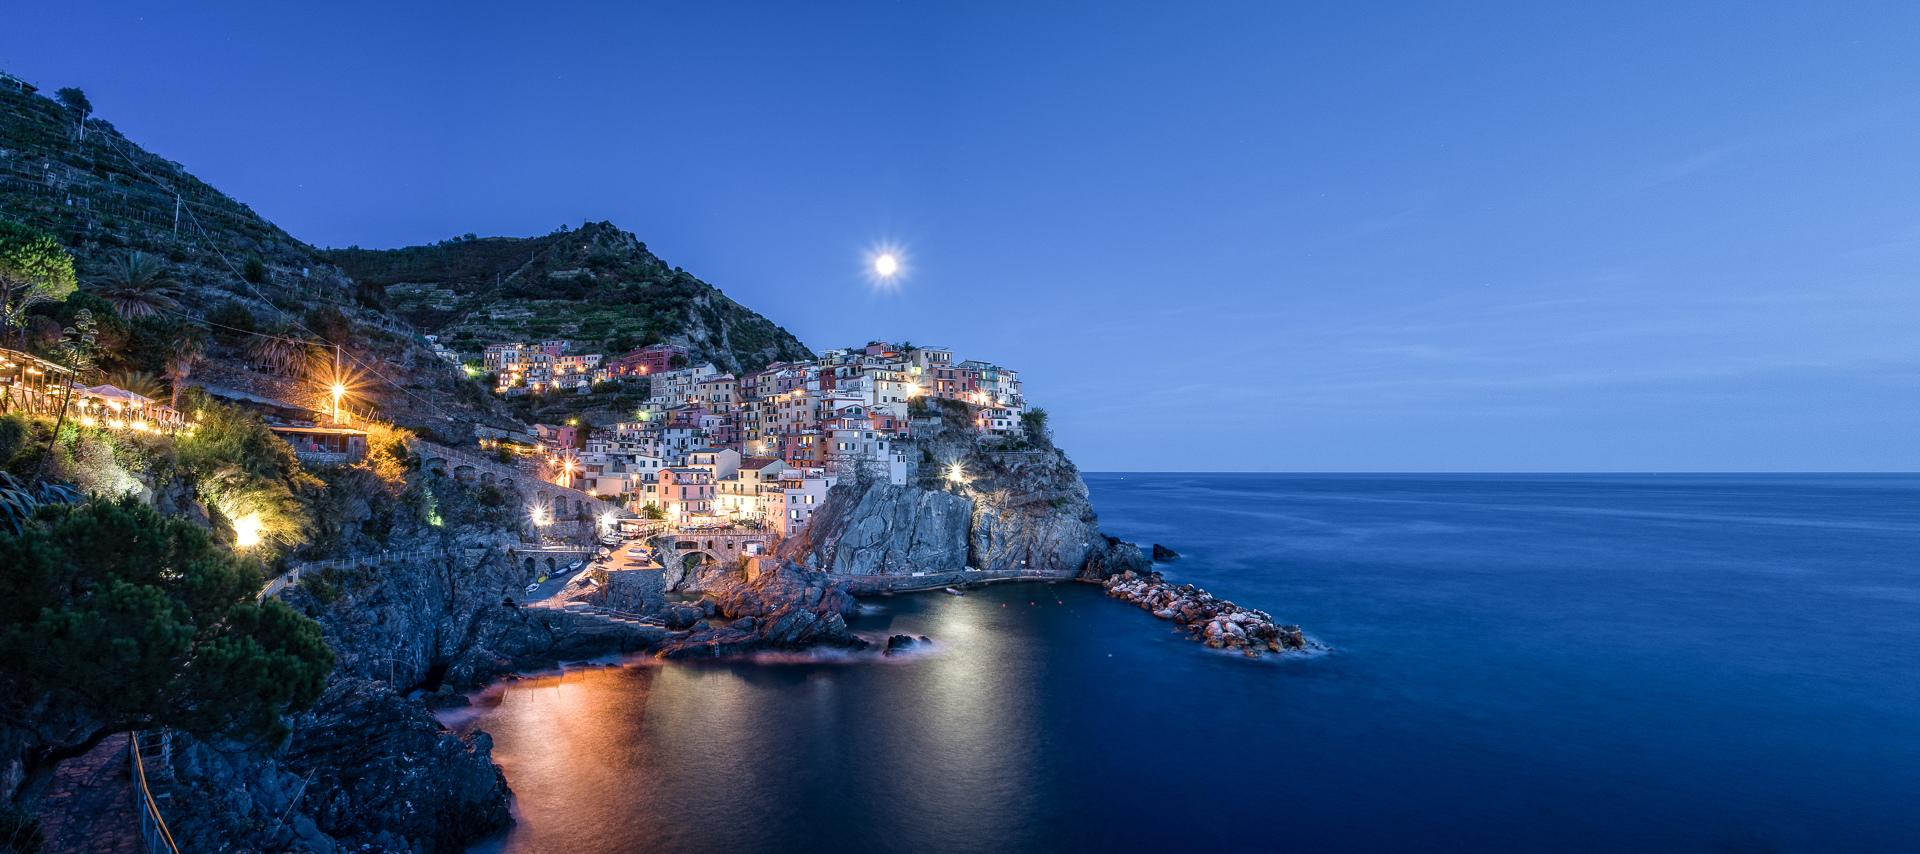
242	277
597	287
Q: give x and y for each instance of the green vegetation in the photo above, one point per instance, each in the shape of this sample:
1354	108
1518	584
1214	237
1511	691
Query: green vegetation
597	287
75	100
232	319
161	630
245	470
138	284
34	269
20	829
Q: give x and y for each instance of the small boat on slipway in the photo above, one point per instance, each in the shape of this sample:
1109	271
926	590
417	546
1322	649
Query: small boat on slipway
955	592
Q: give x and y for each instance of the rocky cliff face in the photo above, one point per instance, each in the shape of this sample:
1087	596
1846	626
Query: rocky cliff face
963	508
368	769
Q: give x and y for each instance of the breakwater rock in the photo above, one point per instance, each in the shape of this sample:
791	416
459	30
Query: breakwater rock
1213	621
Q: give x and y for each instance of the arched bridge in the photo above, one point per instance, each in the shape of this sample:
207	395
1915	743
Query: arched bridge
719	545
563	502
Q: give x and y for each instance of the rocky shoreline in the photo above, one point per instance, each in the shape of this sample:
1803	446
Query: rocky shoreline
1213	621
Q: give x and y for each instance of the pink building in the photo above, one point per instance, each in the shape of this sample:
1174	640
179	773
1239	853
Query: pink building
686	492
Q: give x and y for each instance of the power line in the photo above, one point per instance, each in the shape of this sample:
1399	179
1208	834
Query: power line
194	218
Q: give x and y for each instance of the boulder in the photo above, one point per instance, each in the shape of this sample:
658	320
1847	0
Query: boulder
1162	553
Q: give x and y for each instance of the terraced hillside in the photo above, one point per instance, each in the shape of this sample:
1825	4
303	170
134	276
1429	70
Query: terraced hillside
597	287
77	178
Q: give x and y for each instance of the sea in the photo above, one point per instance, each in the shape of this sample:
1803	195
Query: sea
1514	663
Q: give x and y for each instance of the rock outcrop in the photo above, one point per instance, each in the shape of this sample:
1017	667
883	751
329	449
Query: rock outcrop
1162	553
774	604
1217	623
380	765
902	643
964	507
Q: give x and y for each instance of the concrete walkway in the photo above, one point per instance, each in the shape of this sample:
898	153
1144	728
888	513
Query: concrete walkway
90	807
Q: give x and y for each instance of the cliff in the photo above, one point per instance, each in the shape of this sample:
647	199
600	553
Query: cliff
368	769
963	508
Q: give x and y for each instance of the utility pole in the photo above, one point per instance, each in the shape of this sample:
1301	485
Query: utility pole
176	216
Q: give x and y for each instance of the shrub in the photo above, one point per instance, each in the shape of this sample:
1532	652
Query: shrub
236	319
161	630
255	271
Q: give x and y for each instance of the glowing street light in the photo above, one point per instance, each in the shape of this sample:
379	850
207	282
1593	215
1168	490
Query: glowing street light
956	472
339	391
886	266
246	531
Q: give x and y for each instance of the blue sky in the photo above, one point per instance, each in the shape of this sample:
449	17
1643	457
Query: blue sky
1298	237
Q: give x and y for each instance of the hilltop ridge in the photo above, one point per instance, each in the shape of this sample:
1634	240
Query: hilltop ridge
597	287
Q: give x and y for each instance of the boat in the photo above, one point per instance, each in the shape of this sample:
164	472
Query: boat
955	592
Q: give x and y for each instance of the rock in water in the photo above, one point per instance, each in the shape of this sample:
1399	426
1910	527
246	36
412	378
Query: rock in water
1162	553
1215	622
791	608
902	642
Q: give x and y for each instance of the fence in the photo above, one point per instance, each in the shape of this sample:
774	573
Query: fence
296	571
153	828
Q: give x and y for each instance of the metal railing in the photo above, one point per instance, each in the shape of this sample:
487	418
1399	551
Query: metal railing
153	828
295	571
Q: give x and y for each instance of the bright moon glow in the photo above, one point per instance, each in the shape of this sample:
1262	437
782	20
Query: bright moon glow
246	531
888	264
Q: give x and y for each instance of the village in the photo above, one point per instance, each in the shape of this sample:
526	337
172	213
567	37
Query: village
759	450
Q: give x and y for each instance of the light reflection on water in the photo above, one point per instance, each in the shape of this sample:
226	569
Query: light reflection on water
900	751
1684	664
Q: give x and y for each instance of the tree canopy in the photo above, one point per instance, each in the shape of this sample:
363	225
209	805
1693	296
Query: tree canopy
34	268
159	628
75	100
31	256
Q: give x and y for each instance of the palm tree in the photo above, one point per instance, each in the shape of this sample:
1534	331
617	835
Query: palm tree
138	284
189	344
281	349
138	382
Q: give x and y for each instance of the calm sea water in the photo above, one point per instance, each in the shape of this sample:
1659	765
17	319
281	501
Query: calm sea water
1522	663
